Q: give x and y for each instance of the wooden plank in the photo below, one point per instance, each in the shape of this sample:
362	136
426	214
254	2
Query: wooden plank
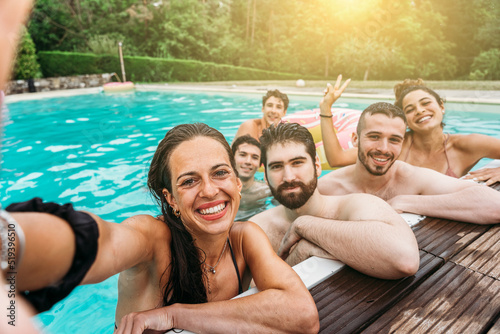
495	329
350	301
454	299
486	307
445	238
483	255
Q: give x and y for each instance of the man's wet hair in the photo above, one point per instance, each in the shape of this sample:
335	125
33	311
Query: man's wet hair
276	93
388	109
286	133
246	139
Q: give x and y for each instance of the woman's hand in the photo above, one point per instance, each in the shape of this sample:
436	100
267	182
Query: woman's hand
332	93
157	320
488	175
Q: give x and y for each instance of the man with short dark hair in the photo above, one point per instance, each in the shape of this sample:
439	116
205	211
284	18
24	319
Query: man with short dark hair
407	188
360	230
274	106
254	193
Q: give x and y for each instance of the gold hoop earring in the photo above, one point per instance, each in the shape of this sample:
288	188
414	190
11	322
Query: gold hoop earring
239	192
176	213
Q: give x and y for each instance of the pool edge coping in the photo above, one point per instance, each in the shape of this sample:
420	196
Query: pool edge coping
246	90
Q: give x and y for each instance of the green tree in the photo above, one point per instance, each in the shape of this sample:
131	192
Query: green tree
26	66
486	66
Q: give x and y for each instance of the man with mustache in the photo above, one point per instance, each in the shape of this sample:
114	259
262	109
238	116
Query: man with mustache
407	188
358	229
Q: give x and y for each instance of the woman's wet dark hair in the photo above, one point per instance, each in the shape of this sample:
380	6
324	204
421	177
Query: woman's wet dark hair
409	85
185	284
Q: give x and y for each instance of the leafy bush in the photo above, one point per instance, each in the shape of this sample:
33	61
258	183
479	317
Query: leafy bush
486	66
105	44
56	63
146	69
26	66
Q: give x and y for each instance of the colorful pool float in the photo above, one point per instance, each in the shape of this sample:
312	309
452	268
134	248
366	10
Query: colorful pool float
344	121
118	86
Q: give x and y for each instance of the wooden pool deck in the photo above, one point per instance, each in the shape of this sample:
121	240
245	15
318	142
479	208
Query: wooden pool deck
456	289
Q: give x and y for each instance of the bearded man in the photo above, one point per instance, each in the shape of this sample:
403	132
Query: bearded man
360	230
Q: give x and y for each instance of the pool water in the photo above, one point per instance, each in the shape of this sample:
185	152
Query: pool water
94	151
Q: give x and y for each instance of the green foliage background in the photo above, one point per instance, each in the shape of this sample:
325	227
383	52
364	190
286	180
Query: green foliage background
27	66
372	39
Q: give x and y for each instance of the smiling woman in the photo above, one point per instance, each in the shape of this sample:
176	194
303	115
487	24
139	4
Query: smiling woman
180	268
426	144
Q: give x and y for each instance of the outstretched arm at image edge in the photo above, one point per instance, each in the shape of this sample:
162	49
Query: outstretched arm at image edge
122	246
283	304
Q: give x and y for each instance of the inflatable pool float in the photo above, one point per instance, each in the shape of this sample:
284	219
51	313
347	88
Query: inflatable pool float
118	86
344	121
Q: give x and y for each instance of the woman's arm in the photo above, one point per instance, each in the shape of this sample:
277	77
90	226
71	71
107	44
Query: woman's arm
50	248
335	154
283	304
122	246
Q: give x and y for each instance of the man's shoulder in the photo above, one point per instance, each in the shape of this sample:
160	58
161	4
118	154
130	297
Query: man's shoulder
249	127
335	182
269	215
250	124
258	185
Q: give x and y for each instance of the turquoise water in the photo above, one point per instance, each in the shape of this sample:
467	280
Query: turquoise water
94	151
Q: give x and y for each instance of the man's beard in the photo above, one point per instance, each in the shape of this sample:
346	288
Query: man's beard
378	170
295	200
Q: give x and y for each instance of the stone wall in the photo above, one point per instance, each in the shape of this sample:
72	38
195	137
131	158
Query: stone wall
48	84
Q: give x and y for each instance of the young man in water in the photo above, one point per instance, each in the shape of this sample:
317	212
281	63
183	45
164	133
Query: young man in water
274	106
360	230
405	187
254	193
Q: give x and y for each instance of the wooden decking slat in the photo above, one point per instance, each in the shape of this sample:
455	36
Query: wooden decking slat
484	308
483	255
451	300
495	329
343	312
446	238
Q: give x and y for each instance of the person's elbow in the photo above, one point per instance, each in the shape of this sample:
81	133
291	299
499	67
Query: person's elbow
487	217
407	263
309	318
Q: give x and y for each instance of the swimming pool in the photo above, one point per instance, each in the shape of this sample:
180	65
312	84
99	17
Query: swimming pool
94	151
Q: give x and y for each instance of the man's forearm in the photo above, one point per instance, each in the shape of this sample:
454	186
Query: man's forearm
375	248
478	204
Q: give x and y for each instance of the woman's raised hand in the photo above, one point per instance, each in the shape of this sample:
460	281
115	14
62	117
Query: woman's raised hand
332	93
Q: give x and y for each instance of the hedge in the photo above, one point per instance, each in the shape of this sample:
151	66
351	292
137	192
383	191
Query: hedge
147	69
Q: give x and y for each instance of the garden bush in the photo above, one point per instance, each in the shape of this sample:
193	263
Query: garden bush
147	69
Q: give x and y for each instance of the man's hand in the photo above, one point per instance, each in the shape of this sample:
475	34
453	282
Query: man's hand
291	238
488	175
303	250
396	203
294	249
332	93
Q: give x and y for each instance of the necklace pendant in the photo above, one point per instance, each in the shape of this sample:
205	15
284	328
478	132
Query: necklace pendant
212	270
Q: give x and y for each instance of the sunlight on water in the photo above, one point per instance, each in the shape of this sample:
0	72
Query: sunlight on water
94	151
